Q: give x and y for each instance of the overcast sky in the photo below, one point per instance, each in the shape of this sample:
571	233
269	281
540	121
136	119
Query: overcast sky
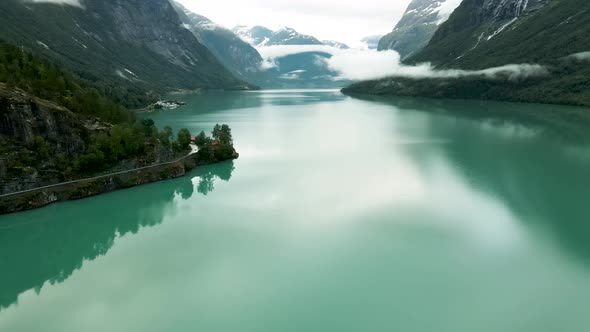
342	20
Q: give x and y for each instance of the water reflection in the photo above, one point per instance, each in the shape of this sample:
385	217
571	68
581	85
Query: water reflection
35	248
509	151
566	123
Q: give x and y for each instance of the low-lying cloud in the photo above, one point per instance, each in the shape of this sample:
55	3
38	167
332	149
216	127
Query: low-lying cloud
582	56
57	2
356	65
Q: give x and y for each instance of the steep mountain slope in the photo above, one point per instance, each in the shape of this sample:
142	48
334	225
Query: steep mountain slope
372	42
235	54
141	42
489	33
418	24
507	31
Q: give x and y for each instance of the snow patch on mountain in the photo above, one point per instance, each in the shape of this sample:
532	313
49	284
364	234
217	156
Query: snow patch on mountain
446	8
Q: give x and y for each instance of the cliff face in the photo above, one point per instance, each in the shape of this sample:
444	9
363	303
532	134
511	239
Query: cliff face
140	41
22	119
416	27
43	128
481	24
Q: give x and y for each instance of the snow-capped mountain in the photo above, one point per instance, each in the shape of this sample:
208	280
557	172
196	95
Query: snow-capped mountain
417	26
259	36
478	23
335	44
255	36
303	63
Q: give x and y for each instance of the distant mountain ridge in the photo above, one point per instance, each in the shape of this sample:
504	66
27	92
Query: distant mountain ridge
239	57
259	36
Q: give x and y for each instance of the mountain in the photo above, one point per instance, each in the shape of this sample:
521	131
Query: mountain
417	26
303	67
133	42
259	36
335	44
255	36
372	42
490	33
239	57
535	29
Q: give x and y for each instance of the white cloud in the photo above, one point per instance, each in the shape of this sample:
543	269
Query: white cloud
344	21
358	64
59	2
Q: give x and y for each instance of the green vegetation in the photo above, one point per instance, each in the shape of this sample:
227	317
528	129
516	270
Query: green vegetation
121	136
559	29
546	37
45	80
218	148
183	139
102	45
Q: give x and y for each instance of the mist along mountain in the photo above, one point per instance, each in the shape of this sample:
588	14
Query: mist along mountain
372	42
239	57
300	66
139	43
416	27
490	33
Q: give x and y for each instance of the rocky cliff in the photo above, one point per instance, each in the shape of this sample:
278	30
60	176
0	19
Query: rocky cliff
484	24
24	120
37	136
417	26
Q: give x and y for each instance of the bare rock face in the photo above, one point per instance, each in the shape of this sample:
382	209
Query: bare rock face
509	9
415	29
23	118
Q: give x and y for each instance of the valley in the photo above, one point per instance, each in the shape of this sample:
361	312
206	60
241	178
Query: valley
269	166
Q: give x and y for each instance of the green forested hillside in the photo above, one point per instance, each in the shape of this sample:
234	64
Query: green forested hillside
133	43
471	40
559	29
55	126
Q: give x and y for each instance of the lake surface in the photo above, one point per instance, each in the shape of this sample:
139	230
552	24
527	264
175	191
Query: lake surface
340	215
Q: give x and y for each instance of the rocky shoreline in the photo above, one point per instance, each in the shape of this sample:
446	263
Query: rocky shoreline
108	183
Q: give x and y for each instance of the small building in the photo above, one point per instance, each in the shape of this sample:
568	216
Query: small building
193	139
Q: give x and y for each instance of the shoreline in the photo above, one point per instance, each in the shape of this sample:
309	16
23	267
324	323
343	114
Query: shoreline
80	189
